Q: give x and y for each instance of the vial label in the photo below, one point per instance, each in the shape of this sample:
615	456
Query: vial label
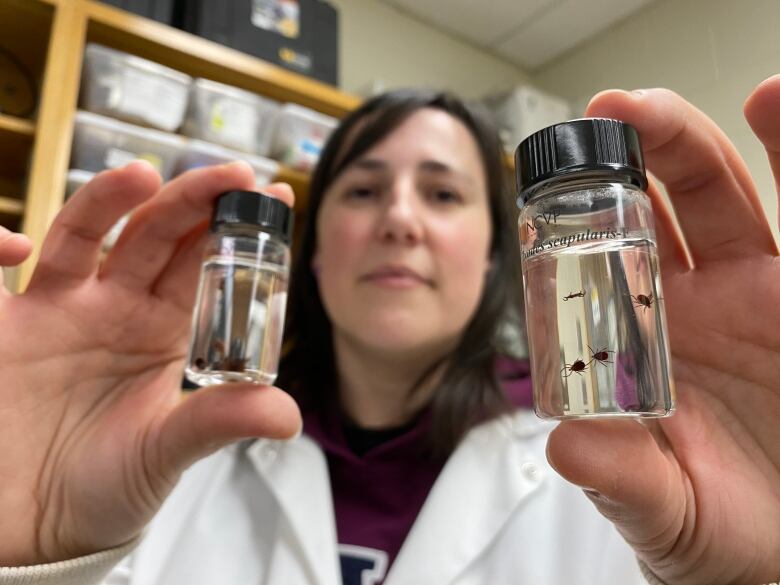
239	324
599	303
541	233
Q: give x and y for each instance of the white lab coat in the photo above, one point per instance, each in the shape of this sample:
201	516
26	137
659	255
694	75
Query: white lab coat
261	513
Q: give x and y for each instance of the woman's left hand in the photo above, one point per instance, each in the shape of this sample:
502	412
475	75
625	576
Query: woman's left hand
697	495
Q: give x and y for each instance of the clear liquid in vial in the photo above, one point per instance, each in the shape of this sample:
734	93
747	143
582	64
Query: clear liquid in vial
237	331
601	306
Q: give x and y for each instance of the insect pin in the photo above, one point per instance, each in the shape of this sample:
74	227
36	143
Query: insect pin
645	301
574	295
601	356
578	367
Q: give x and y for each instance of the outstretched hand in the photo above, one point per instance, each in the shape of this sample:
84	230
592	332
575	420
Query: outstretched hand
697	495
93	430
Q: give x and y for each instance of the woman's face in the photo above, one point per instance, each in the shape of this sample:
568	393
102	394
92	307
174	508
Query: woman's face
403	238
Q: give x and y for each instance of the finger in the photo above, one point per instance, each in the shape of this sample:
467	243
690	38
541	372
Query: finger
626	475
153	232
179	280
71	249
762	111
14	248
672	252
214	417
707	181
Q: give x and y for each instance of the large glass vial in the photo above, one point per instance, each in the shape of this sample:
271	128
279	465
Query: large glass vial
238	319
594	305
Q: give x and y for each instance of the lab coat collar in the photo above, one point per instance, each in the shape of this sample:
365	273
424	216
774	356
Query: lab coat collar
307	505
461	516
485	481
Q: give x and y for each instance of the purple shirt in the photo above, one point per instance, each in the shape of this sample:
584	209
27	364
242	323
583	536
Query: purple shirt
378	495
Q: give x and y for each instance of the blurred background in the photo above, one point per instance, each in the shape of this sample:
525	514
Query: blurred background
88	85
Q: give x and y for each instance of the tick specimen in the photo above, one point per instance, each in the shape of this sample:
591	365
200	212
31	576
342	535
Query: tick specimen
601	356
574	295
645	301
577	367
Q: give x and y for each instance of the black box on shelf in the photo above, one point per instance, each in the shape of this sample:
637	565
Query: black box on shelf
160	10
299	35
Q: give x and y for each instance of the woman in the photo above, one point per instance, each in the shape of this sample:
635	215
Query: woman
404	249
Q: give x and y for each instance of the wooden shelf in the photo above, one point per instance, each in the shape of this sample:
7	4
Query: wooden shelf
199	57
299	181
14	125
10	206
15	149
25	27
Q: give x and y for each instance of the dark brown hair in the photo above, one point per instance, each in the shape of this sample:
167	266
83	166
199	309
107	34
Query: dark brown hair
468	391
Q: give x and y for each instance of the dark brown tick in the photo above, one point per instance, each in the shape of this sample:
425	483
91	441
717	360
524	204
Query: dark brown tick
574	295
645	301
578	366
601	356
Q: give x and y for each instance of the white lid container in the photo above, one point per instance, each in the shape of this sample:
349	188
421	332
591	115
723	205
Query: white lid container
523	110
223	114
199	154
76	179
300	135
104	143
134	89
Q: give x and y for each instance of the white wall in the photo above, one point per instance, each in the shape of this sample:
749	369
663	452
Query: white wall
381	43
712	52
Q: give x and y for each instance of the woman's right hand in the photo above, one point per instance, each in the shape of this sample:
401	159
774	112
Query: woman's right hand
93	431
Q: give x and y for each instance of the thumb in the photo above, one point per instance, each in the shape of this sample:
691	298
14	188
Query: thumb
214	417
629	474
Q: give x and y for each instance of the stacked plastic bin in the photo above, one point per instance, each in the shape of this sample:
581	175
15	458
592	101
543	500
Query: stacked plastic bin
133	108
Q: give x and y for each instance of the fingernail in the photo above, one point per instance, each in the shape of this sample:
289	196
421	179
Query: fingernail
594	495
638	92
139	162
297	435
238	163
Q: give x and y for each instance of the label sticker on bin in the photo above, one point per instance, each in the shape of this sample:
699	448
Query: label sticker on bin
234	122
280	16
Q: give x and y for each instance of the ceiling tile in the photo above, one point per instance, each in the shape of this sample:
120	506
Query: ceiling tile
482	22
562	28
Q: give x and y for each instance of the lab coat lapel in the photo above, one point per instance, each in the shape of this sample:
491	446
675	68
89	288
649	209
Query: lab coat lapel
485	480
297	474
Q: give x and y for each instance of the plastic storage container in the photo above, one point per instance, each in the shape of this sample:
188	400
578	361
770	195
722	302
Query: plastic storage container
128	87
200	154
594	305
104	143
229	116
76	179
300	136
524	110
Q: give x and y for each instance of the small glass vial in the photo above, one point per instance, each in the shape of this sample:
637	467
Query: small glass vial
594	306
238	320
